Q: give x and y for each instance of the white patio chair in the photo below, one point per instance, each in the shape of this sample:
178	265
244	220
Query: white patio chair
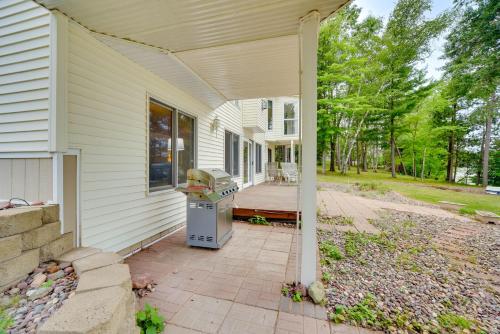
290	172
272	171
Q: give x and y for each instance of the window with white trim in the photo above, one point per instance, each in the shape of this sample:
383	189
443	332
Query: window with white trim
258	158
269	114
232	153
172	145
290	118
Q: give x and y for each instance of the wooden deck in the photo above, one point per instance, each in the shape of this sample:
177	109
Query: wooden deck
268	200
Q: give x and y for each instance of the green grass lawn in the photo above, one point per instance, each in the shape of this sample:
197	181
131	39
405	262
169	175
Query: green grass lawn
430	191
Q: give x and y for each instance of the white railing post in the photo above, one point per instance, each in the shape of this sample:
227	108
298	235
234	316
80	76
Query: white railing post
308	37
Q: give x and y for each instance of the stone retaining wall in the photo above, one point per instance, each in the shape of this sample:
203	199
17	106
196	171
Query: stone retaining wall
29	236
104	300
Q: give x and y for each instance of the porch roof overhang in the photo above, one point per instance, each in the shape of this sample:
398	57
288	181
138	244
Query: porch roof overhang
216	51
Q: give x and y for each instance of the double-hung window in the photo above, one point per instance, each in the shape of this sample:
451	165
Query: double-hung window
290	118
269	114
232	153
172	145
258	158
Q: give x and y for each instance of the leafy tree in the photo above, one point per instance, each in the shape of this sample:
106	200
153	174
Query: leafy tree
406	42
472	49
348	80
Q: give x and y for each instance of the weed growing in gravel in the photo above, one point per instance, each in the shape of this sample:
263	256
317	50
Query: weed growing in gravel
5	322
326	276
354	242
339	220
452	322
364	313
47	284
330	251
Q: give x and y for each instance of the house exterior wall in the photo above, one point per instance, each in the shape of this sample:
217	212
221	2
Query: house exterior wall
29	179
277	132
24	78
107	121
254	117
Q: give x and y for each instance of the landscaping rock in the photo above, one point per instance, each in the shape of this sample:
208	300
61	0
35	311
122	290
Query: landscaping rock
50	213
38	280
96	261
38	293
22	285
4	301
64	265
317	292
56	275
405	271
141	281
57	247
105	277
52	269
14	269
101	311
77	254
41	236
10	247
19	220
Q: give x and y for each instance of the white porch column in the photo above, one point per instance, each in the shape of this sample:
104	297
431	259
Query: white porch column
292	151
308	36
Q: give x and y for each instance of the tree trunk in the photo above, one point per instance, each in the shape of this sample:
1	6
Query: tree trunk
400	158
393	153
423	164
365	162
358	171
451	148
487	138
332	154
337	152
323	162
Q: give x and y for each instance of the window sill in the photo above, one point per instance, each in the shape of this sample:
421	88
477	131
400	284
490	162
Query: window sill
160	192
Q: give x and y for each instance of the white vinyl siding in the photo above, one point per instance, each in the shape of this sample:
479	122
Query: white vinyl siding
24	77
253	116
29	179
277	132
107	95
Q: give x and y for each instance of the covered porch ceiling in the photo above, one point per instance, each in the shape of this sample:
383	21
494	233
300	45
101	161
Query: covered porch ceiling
215	50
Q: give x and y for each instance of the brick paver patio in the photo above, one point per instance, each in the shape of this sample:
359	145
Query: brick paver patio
236	289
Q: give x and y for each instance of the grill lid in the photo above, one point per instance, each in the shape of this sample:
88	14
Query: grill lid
210	184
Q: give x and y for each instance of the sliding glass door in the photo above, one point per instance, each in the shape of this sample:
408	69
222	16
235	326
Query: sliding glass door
248	163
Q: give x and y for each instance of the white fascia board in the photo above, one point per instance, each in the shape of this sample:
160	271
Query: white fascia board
58	88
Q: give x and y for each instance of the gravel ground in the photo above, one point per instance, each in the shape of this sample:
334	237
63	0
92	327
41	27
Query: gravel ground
32	301
412	283
382	194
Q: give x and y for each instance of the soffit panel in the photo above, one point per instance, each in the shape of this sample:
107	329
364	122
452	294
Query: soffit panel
192	24
267	67
167	67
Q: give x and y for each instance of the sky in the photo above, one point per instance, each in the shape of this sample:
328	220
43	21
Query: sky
383	8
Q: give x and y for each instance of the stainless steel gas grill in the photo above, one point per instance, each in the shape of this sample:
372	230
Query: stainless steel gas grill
210	196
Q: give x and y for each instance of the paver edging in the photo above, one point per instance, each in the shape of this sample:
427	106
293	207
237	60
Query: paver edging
114	279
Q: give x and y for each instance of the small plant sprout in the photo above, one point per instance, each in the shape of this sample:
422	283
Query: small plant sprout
259	220
47	284
149	321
